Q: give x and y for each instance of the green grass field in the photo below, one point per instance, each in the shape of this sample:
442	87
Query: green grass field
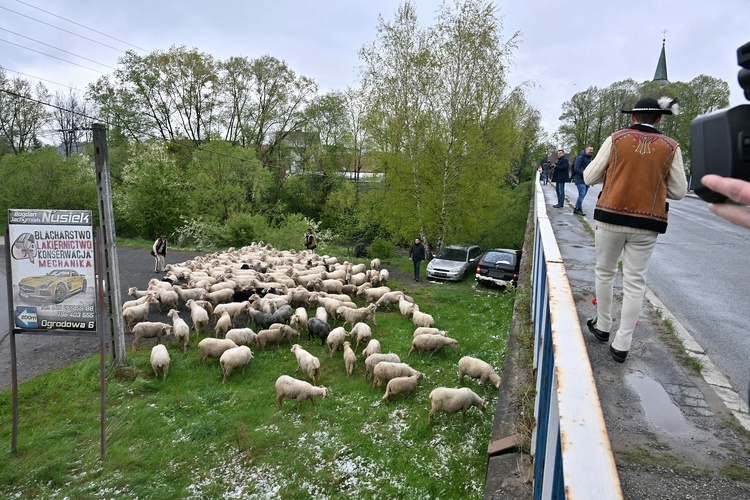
192	437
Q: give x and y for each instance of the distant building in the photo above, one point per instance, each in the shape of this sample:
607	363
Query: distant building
660	76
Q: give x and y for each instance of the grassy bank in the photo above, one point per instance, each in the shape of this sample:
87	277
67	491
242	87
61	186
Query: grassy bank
191	436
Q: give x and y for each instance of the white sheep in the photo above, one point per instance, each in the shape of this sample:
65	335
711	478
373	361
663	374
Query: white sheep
235	357
407	308
448	400
431	343
362	332
214	348
160	360
422	319
299	319
186	294
373	359
288	387
372	294
309	363
350	358
429	331
373	347
335	340
386	370
389	298
321	314
136	314
150	329
476	368
220	296
269	336
167	298
223	324
180	329
402	385
375	264
384	276
199	316
134	292
242	336
140	300
233	308
352	316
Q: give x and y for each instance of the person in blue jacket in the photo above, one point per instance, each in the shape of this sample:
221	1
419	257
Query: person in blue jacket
579	165
560	177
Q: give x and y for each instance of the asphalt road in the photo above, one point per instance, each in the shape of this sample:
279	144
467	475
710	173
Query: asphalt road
699	270
36	354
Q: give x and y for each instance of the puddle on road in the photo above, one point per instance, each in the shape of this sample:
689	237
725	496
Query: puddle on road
659	407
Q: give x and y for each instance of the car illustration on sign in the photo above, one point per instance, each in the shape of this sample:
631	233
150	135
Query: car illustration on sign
55	286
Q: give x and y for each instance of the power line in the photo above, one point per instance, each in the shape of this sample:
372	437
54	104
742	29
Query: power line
57	48
40	78
53	57
82	26
63	29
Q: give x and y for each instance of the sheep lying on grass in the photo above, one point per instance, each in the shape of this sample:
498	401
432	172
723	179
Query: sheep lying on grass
402	385
350	359
431	343
242	336
309	363
386	370
214	348
288	387
373	347
447	400
160	360
180	329
150	329
235	357
476	368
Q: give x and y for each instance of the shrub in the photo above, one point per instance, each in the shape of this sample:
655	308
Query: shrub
381	248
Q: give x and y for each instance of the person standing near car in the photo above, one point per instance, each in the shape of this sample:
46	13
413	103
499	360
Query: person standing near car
640	168
417	254
560	177
159	251
579	165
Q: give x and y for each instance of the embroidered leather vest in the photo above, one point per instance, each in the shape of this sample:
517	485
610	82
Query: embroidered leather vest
635	183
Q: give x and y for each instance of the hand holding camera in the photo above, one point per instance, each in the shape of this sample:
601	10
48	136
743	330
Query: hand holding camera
735	190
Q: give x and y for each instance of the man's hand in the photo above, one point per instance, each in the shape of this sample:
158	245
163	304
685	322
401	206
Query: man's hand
736	190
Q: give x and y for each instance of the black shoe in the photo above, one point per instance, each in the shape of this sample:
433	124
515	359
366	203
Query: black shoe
600	335
618	356
578	211
556	206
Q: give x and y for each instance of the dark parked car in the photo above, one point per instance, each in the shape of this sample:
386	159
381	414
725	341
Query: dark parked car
454	262
499	267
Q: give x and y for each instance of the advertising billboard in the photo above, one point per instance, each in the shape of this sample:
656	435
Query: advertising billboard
52	269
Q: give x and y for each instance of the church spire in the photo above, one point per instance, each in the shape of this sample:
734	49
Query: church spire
660	76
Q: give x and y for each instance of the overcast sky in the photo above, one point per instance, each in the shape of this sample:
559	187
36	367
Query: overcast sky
565	46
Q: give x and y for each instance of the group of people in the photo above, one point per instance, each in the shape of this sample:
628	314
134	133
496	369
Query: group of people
631	210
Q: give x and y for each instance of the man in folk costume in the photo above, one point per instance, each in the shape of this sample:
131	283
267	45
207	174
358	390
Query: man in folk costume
640	168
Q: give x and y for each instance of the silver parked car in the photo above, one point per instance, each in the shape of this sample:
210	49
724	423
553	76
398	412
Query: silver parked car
454	262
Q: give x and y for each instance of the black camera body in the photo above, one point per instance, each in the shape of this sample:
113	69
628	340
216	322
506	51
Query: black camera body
721	140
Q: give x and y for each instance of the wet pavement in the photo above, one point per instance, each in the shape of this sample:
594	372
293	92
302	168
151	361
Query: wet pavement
674	431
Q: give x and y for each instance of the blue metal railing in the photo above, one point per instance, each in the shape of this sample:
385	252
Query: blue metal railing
570	447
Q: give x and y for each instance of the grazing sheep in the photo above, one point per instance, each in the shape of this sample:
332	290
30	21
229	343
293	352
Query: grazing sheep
476	368
223	324
288	387
422	319
350	359
233	308
321	314
363	332
214	348
269	336
431	343
160	360
180	329
299	319
235	357
402	385
330	286
309	363
149	329
282	314
358	315
316	327
242	336
389	298
335	340
407	308
375	264
372	294
198	315
386	370
135	314
373	359
429	331
448	400
373	347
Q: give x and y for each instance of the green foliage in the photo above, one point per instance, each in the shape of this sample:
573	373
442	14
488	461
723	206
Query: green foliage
241	229
191	436
41	179
381	248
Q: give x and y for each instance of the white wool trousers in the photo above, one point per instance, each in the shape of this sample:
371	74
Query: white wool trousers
636	250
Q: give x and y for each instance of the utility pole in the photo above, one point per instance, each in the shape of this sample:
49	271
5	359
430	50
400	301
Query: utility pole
107	234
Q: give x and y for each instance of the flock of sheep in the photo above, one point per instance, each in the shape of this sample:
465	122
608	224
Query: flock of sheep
259	285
